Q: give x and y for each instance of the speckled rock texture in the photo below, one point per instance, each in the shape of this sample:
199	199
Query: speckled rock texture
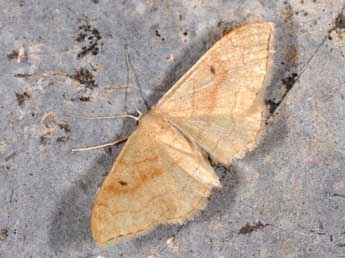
284	199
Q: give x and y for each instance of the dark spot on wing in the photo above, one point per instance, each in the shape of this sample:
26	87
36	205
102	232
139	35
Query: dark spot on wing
212	69
123	183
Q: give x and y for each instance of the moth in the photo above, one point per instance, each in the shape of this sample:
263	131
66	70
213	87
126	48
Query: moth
217	109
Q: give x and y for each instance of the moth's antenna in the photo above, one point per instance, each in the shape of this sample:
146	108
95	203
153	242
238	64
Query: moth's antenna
102	145
137	86
128	78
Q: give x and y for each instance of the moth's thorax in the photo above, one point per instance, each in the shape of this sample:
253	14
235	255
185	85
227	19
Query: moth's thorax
153	120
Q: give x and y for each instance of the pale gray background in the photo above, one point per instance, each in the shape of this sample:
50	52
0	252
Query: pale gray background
294	180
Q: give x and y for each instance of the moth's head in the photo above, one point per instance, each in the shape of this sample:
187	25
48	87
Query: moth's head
149	116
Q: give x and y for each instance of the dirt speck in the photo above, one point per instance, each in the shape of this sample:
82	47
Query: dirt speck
21	97
18	55
158	34
62	139
247	229
109	150
12	55
3	234
43	139
340	21
23	75
272	105
84	77
81	99
171	58
65	127
89	38
290	80
84	99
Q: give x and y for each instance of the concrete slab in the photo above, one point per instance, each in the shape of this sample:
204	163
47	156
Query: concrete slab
285	199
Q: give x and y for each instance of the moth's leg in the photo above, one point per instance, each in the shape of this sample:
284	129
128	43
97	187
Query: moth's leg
102	145
110	88
105	117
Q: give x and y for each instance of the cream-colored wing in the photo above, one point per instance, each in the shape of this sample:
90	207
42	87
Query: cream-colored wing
159	177
219	102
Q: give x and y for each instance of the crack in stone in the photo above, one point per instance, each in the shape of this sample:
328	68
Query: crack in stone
310	59
320	45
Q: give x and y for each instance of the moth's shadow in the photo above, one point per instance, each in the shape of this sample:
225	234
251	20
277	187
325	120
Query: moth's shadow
222	199
70	229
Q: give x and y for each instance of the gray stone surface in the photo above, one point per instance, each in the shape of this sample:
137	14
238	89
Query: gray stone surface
285	199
